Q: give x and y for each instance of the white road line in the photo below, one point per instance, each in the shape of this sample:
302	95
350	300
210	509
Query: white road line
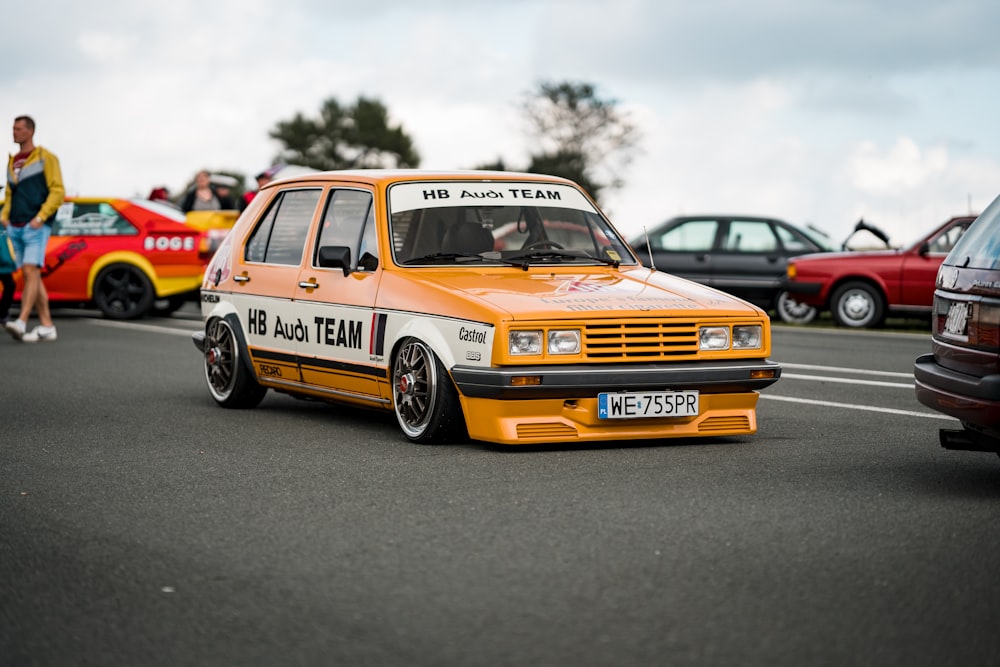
823	378
850	406
136	326
841	369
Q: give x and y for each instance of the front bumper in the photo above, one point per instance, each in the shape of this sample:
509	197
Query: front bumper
582	381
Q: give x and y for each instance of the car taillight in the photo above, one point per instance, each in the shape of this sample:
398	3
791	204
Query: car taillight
984	325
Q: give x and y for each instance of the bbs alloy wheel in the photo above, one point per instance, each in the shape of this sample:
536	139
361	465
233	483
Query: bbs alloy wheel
424	399
229	382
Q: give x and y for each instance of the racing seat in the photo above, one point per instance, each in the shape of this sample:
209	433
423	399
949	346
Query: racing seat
467	237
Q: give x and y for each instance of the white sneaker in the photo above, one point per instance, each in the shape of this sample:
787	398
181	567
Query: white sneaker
39	333
16	329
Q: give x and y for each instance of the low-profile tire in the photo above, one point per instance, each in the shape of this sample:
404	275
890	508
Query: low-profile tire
123	292
857	305
423	397
167	305
229	380
791	311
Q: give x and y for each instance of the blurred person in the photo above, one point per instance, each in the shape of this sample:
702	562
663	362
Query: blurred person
204	196
159	193
7	268
34	193
263	178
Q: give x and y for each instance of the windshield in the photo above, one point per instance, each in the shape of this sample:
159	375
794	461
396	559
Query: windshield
499	223
979	248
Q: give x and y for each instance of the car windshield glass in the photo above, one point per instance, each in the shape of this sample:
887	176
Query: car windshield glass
979	248
499	223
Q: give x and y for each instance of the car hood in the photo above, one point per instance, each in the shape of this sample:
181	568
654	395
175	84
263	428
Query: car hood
597	293
848	255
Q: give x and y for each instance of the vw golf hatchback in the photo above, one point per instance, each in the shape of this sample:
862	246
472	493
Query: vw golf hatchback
497	306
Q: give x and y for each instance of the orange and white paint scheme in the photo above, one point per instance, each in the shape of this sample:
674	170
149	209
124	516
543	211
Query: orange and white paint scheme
498	306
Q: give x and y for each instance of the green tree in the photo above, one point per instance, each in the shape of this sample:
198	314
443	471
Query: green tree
580	135
357	136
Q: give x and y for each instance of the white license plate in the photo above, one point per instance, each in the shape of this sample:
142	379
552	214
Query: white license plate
958	319
633	405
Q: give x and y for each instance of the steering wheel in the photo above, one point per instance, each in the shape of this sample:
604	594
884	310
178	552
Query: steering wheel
545	243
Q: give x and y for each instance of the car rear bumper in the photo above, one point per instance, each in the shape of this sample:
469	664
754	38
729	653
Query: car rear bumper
972	399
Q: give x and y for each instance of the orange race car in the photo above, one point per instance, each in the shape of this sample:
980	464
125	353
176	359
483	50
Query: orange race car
127	257
498	306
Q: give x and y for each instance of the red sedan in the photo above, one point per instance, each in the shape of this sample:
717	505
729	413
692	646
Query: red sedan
861	288
127	257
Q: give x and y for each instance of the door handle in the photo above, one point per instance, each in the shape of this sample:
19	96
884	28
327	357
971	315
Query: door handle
244	278
308	285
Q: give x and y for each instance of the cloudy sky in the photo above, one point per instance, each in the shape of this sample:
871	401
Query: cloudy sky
815	111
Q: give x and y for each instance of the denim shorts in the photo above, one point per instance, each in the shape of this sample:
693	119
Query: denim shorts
29	244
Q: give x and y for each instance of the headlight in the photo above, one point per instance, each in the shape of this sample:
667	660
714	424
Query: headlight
524	342
564	342
713	338
747	337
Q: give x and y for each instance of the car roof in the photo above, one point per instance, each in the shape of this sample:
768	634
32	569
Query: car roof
386	177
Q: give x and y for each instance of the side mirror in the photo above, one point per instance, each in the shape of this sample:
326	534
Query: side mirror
333	256
368	262
925	248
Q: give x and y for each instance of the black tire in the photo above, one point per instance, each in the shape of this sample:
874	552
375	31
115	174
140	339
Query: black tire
791	311
167	305
123	292
424	399
858	305
229	380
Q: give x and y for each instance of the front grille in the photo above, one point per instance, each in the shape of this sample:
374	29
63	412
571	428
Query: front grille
640	341
545	430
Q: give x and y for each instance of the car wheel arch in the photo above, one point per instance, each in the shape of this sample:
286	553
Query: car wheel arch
133	259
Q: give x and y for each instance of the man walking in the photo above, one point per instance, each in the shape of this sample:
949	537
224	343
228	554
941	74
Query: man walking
34	193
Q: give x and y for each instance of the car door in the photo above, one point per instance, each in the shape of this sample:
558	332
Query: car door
337	354
750	261
684	248
919	268
266	272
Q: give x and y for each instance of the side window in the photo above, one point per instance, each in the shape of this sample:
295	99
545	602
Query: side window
946	240
344	222
689	236
281	234
792	241
750	236
91	219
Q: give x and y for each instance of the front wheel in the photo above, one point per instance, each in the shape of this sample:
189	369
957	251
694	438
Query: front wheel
791	311
123	292
229	381
423	397
857	305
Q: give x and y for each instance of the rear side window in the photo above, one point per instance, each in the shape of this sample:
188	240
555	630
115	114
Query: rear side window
91	219
690	236
979	247
281	234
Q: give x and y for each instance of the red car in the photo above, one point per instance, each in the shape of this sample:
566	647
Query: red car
127	257
860	288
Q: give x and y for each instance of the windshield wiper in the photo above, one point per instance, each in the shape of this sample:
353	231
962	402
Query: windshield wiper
561	254
435	256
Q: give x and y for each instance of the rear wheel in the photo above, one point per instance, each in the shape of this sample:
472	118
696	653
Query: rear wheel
857	305
791	311
229	381
123	292
423	397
